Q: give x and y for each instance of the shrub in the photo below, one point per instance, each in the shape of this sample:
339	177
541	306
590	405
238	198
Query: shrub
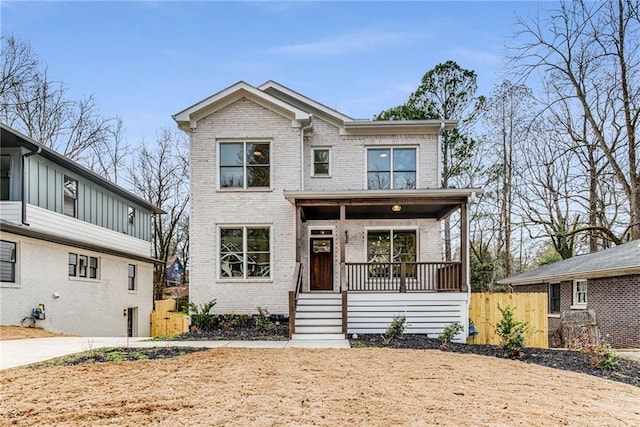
395	330
262	320
511	333
201	318
449	332
601	356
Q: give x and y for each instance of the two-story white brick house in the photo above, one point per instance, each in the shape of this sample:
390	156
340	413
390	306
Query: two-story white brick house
75	249
300	209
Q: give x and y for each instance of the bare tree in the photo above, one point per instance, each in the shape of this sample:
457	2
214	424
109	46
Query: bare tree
33	103
160	174
591	50
110	155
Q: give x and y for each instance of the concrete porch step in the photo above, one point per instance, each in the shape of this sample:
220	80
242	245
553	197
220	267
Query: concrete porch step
319	329
310	314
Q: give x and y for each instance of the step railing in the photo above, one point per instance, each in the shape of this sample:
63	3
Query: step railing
293	296
403	276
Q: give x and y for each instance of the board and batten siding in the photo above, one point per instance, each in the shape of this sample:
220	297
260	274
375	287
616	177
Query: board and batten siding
426	313
95	204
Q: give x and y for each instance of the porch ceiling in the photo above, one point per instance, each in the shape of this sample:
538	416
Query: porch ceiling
428	203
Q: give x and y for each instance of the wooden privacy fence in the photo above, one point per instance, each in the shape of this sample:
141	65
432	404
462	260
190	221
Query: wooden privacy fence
165	321
529	307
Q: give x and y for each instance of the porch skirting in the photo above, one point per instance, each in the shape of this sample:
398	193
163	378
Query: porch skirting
426	313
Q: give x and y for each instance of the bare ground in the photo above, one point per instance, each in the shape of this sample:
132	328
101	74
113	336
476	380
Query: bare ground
269	387
20	332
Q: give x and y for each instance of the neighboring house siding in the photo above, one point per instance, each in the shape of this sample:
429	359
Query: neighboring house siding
95	205
243	120
616	301
86	307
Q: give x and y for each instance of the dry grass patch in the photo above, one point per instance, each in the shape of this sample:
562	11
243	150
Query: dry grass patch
20	332
273	387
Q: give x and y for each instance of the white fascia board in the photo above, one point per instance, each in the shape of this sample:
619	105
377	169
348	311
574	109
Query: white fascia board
364	127
187	118
305	100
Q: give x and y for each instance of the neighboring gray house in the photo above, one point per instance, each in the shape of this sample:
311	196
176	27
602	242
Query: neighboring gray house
607	282
300	209
74	247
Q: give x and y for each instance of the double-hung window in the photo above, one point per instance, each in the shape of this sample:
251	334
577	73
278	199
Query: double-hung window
554	297
131	277
580	293
7	261
245	252
70	196
385	246
391	168
321	162
245	165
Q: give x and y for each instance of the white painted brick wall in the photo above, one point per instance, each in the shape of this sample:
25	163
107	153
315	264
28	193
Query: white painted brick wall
210	207
85	307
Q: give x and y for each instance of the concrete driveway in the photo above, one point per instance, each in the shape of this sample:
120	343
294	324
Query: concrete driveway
24	352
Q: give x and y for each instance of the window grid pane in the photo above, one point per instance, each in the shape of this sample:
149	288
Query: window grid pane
131	279
73	262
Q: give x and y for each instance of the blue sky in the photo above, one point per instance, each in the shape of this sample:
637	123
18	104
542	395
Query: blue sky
145	61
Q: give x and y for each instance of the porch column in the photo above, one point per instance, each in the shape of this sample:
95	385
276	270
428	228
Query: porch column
464	247
341	238
298	233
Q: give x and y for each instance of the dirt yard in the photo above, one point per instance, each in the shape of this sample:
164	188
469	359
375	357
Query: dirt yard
19	333
273	387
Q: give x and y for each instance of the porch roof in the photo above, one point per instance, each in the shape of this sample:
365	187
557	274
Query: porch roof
368	204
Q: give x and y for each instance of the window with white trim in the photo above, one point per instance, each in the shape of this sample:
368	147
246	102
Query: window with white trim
245	165
131	215
580	293
321	162
554	297
7	261
131	277
245	252
82	266
391	168
70	191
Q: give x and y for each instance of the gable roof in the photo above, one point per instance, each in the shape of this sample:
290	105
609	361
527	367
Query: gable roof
13	138
619	260
300	109
187	119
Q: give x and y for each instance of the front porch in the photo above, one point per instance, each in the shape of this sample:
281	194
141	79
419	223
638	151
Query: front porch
378	254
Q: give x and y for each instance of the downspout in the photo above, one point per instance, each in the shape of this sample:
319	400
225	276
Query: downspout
302	129
24	185
439	157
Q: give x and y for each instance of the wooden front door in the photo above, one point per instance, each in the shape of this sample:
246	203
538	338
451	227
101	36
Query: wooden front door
321	265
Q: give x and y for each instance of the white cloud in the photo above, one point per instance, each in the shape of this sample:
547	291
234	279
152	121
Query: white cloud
359	41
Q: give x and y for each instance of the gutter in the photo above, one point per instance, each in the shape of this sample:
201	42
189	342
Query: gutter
24	186
302	129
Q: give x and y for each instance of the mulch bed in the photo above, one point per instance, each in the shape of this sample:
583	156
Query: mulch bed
247	331
628	372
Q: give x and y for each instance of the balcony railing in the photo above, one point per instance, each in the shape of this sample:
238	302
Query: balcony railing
403	276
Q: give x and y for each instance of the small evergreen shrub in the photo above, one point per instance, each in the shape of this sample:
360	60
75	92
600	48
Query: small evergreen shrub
262	321
511	333
395	330
449	332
